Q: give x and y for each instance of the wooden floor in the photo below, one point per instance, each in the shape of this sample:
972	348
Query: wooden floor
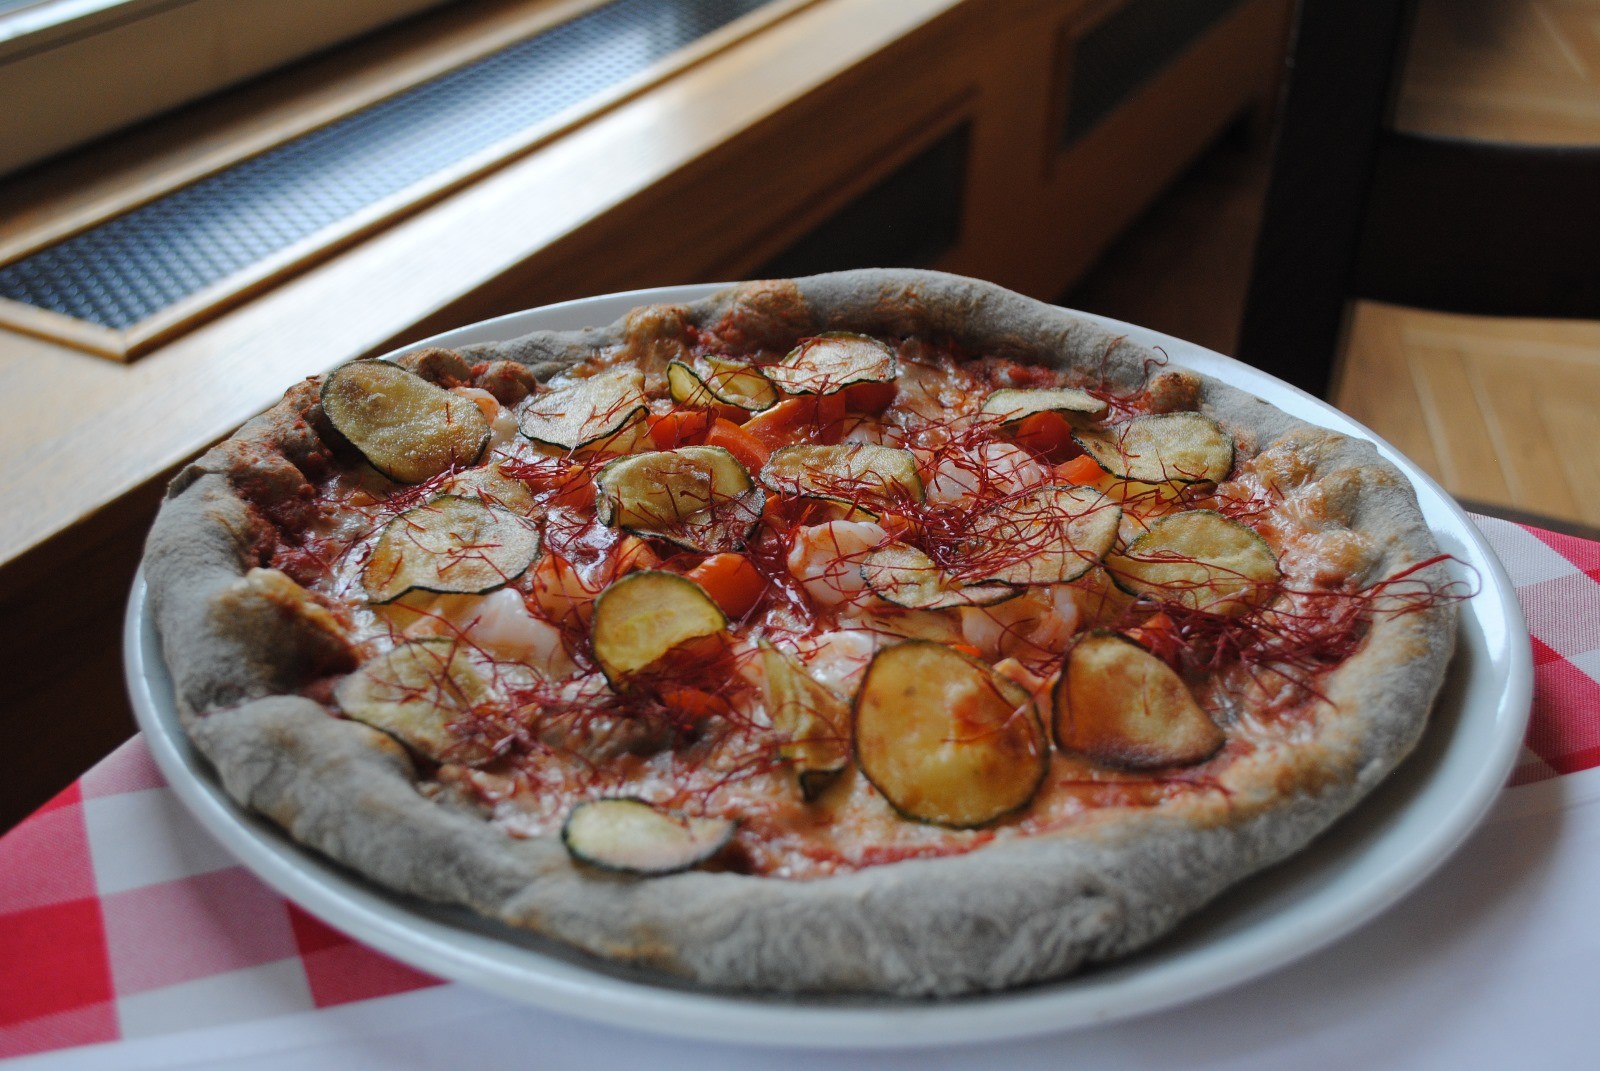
1505	413
1502	412
1505	70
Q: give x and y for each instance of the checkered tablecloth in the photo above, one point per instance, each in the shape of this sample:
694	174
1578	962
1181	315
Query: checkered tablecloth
121	919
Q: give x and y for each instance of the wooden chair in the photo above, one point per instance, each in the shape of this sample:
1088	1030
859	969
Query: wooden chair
1357	209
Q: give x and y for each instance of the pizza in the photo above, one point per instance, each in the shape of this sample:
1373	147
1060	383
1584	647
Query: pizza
876	632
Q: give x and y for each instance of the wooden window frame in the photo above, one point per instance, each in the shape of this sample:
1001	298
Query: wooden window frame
149	56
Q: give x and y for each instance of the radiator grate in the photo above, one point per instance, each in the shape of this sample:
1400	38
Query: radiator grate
909	219
1126	49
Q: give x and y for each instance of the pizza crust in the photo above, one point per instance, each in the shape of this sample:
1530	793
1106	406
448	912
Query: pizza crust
1007	914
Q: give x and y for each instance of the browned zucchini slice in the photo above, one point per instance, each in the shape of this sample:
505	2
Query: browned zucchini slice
416	693
1120	705
634	837
494	487
643	615
1162	448
699	497
1199	559
409	429
830	362
710	380
814	721
902	574
1048	536
1010	404
587	411
945	739
451	543
857	473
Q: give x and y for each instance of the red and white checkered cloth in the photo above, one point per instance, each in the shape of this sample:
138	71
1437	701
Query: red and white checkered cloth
120	918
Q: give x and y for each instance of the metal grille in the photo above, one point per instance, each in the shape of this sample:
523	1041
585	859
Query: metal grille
908	220
134	265
1126	49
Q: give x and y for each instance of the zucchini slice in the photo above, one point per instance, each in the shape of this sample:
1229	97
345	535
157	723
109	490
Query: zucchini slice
820	509
699	497
814	721
1162	448
945	739
1048	536
644	615
493	486
830	362
1119	705
1010	404
711	380
854	473
450	543
1199	559
409	429
586	411
631	836
902	574
416	693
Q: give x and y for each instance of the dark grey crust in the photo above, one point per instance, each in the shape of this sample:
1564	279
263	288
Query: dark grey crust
1014	912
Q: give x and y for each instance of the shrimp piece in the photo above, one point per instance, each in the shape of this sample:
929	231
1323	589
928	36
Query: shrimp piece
501	625
1038	686
839	659
1031	628
866	430
498	624
565	592
826	559
502	425
562	592
961	476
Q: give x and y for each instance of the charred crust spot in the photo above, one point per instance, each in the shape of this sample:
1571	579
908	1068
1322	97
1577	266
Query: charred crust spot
764	315
508	381
263	477
907	311
1173	391
656	335
312	629
251	532
650	323
447	368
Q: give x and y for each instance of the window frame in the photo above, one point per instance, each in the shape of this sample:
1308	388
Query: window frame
73	70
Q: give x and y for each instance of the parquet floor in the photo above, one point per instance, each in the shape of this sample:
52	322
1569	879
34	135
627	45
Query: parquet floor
1502	412
1505	70
1505	413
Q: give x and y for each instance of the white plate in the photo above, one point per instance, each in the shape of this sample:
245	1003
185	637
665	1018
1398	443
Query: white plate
1372	858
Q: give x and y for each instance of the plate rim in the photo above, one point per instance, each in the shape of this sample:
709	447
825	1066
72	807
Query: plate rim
350	904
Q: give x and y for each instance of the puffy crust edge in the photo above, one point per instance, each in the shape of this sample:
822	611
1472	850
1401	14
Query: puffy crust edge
1011	913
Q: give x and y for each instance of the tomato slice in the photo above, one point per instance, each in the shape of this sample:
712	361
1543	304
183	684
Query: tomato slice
748	449
1082	469
681	427
1047	435
733	583
870	398
806	419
